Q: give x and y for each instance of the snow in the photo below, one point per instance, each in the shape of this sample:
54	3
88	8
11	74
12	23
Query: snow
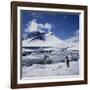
50	41
73	46
57	69
26	50
55	56
28	57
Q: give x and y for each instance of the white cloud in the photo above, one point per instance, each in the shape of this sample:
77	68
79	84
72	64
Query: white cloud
33	26
48	26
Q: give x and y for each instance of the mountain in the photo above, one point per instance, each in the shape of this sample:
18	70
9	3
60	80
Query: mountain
73	46
43	40
40	44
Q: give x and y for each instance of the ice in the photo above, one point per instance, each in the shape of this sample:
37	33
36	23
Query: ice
56	69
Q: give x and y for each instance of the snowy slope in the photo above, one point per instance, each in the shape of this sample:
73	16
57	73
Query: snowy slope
58	69
73	45
50	41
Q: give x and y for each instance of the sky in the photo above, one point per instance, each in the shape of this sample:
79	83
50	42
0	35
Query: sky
63	25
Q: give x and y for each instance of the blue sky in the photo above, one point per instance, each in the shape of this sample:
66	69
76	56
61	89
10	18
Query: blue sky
64	25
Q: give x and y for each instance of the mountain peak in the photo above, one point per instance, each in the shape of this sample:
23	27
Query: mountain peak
42	39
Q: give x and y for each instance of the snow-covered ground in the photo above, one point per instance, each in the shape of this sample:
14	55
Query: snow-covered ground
55	57
55	69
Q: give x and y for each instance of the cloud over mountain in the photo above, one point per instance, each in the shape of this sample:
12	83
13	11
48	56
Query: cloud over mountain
33	26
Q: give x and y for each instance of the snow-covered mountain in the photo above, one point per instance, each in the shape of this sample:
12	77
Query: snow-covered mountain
37	45
73	46
50	41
